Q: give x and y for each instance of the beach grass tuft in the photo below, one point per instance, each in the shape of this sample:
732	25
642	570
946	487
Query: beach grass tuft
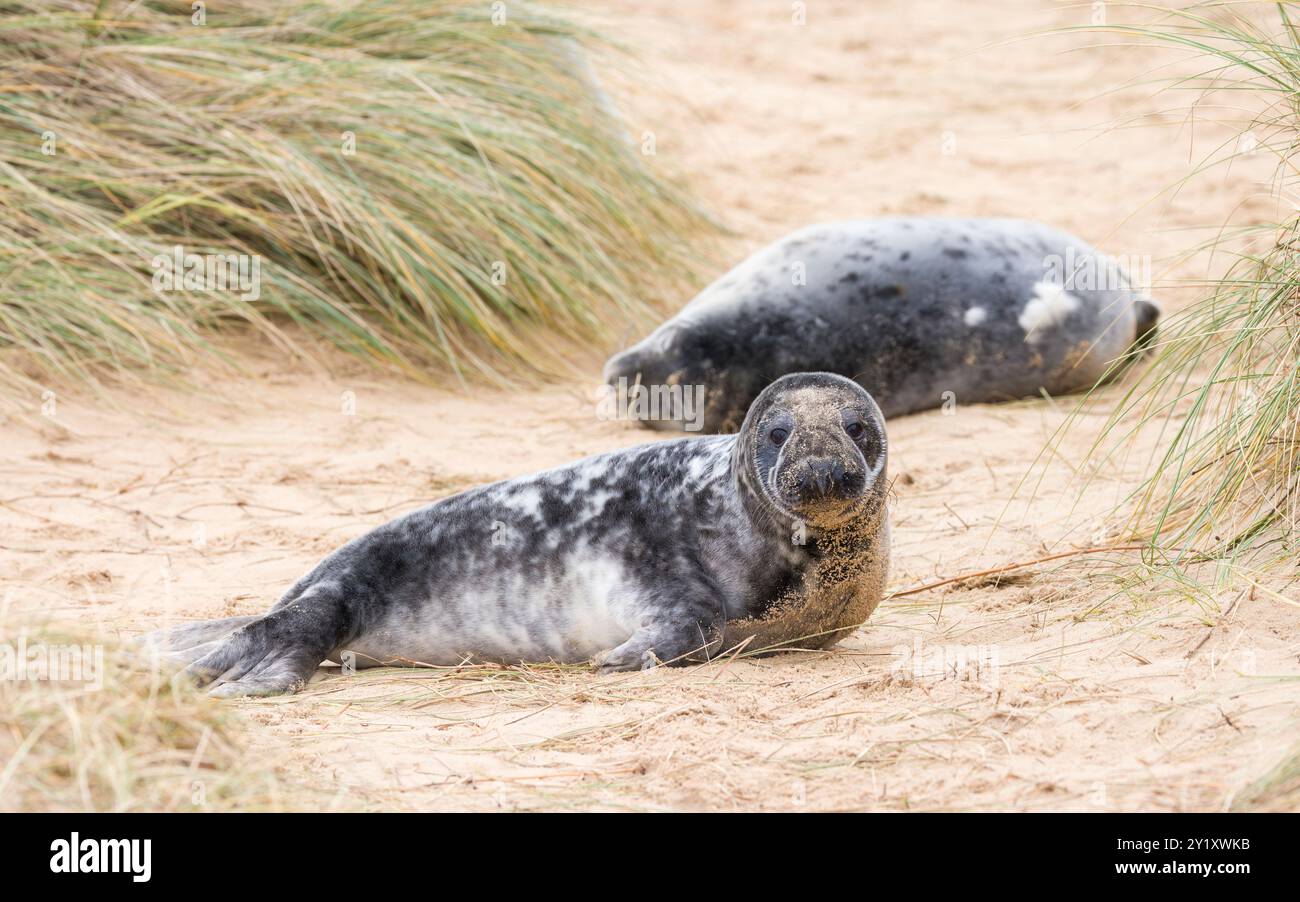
88	724
438	186
1220	387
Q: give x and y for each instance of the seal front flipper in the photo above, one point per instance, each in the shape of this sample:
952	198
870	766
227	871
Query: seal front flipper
686	633
650	647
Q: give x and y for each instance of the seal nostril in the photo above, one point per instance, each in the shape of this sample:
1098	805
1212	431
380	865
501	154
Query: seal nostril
806	483
822	478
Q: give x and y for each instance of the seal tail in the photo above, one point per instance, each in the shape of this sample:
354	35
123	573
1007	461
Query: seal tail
1147	313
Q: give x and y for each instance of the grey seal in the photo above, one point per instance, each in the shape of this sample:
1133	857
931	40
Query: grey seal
671	552
911	308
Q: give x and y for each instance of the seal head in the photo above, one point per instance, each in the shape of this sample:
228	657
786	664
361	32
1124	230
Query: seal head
812	462
695	352
813	449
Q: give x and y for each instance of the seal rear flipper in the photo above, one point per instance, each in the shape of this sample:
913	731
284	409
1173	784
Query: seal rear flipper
187	636
275	654
260	659
1147	314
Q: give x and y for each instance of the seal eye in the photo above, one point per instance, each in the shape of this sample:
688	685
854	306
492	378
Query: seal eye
855	430
778	435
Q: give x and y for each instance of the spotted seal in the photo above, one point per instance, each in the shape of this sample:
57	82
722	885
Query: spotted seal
670	552
911	308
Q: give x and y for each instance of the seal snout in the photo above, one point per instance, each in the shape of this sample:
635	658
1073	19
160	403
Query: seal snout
625	364
651	361
826	478
1146	315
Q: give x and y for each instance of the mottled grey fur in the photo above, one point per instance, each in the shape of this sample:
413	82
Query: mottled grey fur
888	303
667	552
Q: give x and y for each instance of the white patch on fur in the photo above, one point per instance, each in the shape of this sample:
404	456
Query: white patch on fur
975	315
598	615
583	474
698	467
527	501
1049	307
594	502
722	462
586	609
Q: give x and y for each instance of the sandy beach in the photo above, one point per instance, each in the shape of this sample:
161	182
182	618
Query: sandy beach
143	510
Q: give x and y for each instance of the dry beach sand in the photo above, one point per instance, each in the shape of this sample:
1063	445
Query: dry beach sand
145	513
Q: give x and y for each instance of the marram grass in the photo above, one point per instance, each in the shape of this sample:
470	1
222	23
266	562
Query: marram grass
420	183
89	725
1276	790
1221	385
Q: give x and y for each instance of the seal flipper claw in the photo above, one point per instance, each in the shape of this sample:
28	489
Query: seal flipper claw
247	688
631	655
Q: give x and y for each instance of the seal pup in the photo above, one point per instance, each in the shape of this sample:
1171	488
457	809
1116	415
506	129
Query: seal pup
911	308
670	552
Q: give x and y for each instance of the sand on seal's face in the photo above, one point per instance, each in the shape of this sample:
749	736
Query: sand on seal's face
132	519
848	536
